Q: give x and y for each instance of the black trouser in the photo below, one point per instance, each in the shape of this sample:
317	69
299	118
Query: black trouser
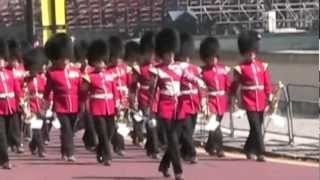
13	131
254	143
187	145
117	141
26	130
162	134
46	128
152	144
137	133
4	133
215	139
36	142
105	127
89	136
174	130
67	131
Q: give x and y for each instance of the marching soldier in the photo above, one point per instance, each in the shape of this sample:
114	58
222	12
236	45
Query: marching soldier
189	99
166	45
63	80
34	85
122	76
169	76
215	75
147	82
10	90
102	99
89	136
14	65
252	75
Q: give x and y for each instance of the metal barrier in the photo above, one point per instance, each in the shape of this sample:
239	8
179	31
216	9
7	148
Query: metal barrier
286	109
304	106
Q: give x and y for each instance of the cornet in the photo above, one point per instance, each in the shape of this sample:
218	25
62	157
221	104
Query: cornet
28	116
275	99
207	117
122	121
236	111
272	109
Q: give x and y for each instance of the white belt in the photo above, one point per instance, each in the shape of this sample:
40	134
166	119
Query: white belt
254	87
189	92
101	96
37	95
168	93
217	93
122	88
145	87
7	95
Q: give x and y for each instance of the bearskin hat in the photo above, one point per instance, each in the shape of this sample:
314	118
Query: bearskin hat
147	42
248	41
59	46
98	50
34	59
116	47
3	49
209	48
80	50
132	50
14	49
187	46
167	40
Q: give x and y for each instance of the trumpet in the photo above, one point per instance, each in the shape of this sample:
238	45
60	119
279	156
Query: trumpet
209	119
28	115
122	121
275	99
235	110
272	109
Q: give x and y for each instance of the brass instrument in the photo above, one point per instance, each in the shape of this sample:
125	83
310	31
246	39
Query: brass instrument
28	116
137	114
275	99
122	121
207	118
272	109
235	110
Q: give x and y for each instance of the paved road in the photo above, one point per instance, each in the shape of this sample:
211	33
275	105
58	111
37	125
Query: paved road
136	166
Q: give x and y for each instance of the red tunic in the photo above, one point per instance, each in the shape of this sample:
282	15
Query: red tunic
85	71
122	75
218	82
19	73
36	86
255	82
102	93
65	84
145	79
189	99
10	91
169	88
